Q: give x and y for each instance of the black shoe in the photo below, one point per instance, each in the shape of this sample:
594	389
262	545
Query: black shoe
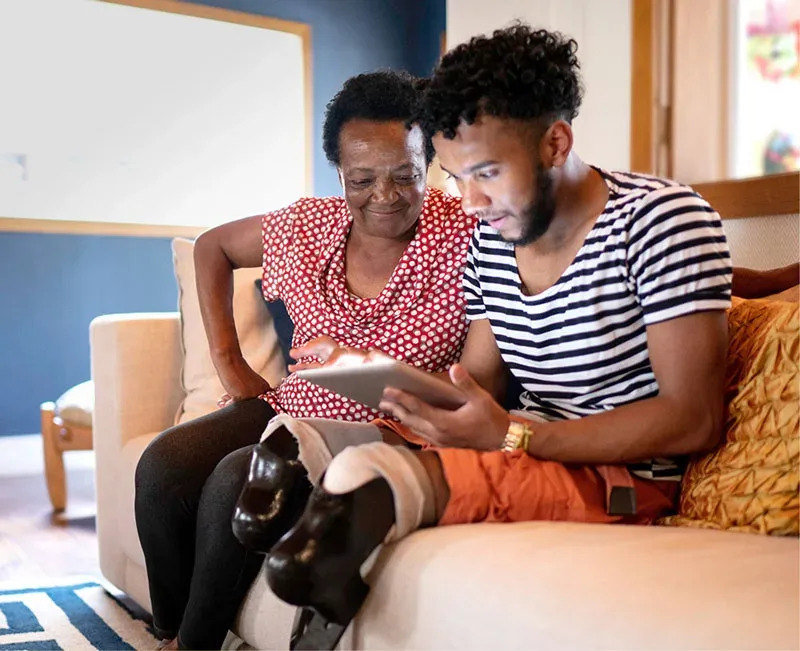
318	563
274	494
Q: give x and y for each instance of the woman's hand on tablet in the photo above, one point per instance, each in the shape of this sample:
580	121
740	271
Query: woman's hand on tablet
330	354
480	424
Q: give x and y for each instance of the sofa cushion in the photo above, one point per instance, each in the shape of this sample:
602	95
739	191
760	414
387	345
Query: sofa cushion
791	294
282	322
76	405
257	337
544	585
750	481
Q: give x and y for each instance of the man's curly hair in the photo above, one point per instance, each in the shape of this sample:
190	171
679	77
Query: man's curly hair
381	96
518	72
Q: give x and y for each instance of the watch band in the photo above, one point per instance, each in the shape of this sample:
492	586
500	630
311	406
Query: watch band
517	437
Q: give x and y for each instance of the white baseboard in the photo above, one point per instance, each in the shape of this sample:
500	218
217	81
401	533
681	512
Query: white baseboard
22	455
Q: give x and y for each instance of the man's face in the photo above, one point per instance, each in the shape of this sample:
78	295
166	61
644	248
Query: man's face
498	170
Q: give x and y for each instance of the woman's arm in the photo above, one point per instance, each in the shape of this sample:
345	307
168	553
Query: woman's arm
217	252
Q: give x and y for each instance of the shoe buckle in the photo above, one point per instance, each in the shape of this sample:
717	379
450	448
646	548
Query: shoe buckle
311	631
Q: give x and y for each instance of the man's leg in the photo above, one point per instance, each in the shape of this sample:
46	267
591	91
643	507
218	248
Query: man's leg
305	447
515	487
373	493
169	480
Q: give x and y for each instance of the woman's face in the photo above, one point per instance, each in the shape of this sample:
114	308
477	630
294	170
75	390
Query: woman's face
383	173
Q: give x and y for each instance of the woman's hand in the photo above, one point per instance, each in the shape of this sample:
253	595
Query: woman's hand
330	353
240	383
479	424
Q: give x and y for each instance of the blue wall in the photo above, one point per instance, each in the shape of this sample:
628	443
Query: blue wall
352	36
52	286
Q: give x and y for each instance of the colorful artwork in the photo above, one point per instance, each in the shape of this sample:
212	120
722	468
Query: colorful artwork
775	55
767	82
773	38
781	153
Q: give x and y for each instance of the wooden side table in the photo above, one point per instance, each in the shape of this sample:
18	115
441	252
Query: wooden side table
66	425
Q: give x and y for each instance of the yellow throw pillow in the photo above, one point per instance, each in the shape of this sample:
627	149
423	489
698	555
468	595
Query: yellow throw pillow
750	482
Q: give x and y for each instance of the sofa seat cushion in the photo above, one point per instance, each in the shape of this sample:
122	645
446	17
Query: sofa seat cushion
566	586
76	405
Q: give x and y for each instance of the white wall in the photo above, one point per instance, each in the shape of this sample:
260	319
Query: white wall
602	29
763	242
115	113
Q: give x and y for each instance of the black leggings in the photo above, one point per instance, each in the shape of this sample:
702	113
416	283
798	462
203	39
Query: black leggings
187	484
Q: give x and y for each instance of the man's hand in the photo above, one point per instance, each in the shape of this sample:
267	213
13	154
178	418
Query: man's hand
241	382
330	353
480	424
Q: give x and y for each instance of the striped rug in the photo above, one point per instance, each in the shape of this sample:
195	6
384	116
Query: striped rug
71	614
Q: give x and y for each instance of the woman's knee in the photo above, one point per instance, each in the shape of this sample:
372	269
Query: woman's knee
157	465
226	482
185	455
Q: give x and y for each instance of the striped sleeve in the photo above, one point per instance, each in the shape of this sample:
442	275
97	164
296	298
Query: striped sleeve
472	285
678	256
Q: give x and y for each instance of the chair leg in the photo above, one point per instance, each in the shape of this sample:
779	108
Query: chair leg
53	459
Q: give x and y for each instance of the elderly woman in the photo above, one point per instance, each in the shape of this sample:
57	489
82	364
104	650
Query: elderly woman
365	270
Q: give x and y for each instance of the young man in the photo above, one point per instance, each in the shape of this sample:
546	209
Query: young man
603	293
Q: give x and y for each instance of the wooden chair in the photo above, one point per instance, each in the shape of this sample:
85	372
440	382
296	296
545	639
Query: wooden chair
66	425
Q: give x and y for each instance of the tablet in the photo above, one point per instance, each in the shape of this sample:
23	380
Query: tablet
365	383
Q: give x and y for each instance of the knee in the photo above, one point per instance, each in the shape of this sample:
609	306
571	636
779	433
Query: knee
227	480
353	467
156	469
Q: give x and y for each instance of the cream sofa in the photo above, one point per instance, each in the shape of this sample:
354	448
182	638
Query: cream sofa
522	586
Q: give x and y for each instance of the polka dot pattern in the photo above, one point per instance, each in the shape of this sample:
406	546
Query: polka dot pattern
418	318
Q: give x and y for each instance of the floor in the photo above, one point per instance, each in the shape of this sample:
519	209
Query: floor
35	543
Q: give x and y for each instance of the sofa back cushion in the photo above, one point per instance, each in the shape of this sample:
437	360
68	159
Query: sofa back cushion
257	337
750	481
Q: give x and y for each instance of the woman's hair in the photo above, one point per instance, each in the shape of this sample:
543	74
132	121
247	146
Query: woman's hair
381	96
518	73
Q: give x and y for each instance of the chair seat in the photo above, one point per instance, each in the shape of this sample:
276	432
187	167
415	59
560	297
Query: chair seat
76	406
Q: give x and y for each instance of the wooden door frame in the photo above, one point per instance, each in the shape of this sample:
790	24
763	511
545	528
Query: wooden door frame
643	85
777	194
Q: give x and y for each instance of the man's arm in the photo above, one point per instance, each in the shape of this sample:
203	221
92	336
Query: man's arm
481	357
217	252
688	356
750	283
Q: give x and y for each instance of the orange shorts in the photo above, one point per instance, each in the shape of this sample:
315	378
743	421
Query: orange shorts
515	487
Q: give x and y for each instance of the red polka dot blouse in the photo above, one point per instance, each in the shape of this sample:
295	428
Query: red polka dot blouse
418	318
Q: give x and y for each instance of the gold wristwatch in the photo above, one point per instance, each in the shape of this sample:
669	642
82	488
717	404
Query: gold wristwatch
517	437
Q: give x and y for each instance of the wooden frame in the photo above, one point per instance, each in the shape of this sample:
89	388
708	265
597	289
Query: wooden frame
302	30
707	26
57	438
762	196
699	65
68	227
643	86
665	82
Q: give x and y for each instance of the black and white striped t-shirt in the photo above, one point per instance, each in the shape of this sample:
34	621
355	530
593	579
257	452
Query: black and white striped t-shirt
579	348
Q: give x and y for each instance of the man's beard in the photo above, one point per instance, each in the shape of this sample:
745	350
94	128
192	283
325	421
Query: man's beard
538	215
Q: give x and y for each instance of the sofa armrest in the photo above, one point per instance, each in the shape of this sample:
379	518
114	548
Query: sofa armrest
136	369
